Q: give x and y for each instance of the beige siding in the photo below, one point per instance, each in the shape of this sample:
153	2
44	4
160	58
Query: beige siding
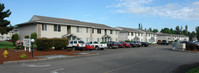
82	34
26	30
50	33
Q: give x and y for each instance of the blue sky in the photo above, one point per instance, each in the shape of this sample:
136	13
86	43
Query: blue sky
126	13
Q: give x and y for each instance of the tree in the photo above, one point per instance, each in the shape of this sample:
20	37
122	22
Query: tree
155	30
177	30
15	37
139	26
165	30
150	29
4	29
197	32
172	31
186	30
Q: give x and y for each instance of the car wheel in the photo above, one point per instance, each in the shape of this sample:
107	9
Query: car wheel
96	48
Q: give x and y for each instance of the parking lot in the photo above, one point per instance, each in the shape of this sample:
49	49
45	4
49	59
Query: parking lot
152	59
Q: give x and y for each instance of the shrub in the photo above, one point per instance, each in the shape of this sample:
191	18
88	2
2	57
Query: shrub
192	46
19	44
69	49
23	56
103	43
45	44
34	36
195	70
170	42
15	37
27	37
60	43
127	41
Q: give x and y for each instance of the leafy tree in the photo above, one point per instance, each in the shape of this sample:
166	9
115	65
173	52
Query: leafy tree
165	30
197	32
155	30
150	29
4	29
172	31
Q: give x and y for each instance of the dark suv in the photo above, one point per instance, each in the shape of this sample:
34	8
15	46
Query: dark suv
112	45
164	42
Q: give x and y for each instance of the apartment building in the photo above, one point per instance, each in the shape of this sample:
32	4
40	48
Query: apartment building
136	35
171	37
50	27
8	36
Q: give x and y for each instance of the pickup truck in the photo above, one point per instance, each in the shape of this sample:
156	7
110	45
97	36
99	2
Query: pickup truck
76	44
98	46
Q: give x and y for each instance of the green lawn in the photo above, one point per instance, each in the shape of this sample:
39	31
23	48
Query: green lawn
195	70
4	45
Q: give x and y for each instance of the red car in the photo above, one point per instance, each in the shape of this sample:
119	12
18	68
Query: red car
125	44
120	44
89	47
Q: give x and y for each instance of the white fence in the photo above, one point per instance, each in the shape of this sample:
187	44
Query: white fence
179	46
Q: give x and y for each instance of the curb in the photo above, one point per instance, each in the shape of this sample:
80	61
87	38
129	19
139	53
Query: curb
43	59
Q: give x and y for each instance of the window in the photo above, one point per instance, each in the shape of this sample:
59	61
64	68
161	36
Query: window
95	42
79	29
75	42
57	28
131	33
111	31
44	27
138	34
87	30
71	42
99	31
93	30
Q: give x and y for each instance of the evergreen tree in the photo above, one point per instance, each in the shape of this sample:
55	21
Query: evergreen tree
186	30
197	32
139	26
155	30
4	24
177	30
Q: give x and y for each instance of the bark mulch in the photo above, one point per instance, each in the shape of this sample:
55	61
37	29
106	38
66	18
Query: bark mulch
14	56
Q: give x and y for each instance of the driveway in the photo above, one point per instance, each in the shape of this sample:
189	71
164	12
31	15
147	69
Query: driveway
153	59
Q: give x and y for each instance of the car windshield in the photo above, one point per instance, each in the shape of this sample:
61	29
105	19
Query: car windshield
95	43
81	42
119	43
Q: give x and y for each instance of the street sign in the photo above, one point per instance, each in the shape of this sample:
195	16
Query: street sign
27	43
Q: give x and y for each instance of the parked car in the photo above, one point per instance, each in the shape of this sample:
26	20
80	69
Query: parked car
112	45
197	45
137	43
159	42
145	44
120	44
126	44
133	44
164	42
88	46
98	46
76	45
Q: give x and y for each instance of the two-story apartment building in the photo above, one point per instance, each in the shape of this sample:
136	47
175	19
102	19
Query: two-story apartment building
49	27
130	34
136	35
171	37
8	36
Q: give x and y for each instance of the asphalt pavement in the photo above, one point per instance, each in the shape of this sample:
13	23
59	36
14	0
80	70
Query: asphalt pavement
153	59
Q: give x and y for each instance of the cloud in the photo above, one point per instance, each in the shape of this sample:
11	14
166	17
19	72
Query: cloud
177	11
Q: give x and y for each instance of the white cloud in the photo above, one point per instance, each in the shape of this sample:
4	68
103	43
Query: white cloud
177	11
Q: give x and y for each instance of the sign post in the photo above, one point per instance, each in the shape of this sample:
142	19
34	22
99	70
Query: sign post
26	43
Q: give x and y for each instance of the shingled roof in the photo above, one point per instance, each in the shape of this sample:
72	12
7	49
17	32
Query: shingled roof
61	21
125	29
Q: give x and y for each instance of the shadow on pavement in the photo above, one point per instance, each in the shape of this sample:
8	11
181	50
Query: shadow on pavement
185	68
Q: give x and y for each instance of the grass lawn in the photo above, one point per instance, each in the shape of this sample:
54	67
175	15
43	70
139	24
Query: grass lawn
195	70
8	45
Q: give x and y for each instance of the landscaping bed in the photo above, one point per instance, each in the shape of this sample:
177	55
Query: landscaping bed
15	56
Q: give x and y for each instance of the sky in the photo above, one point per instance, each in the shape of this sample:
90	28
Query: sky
155	14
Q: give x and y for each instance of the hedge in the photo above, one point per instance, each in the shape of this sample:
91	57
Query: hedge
27	37
46	44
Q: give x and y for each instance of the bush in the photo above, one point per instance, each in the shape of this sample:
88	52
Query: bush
34	36
192	46
103	43
45	44
23	56
69	49
170	42
127	41
195	70
60	43
27	37
19	44
15	37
